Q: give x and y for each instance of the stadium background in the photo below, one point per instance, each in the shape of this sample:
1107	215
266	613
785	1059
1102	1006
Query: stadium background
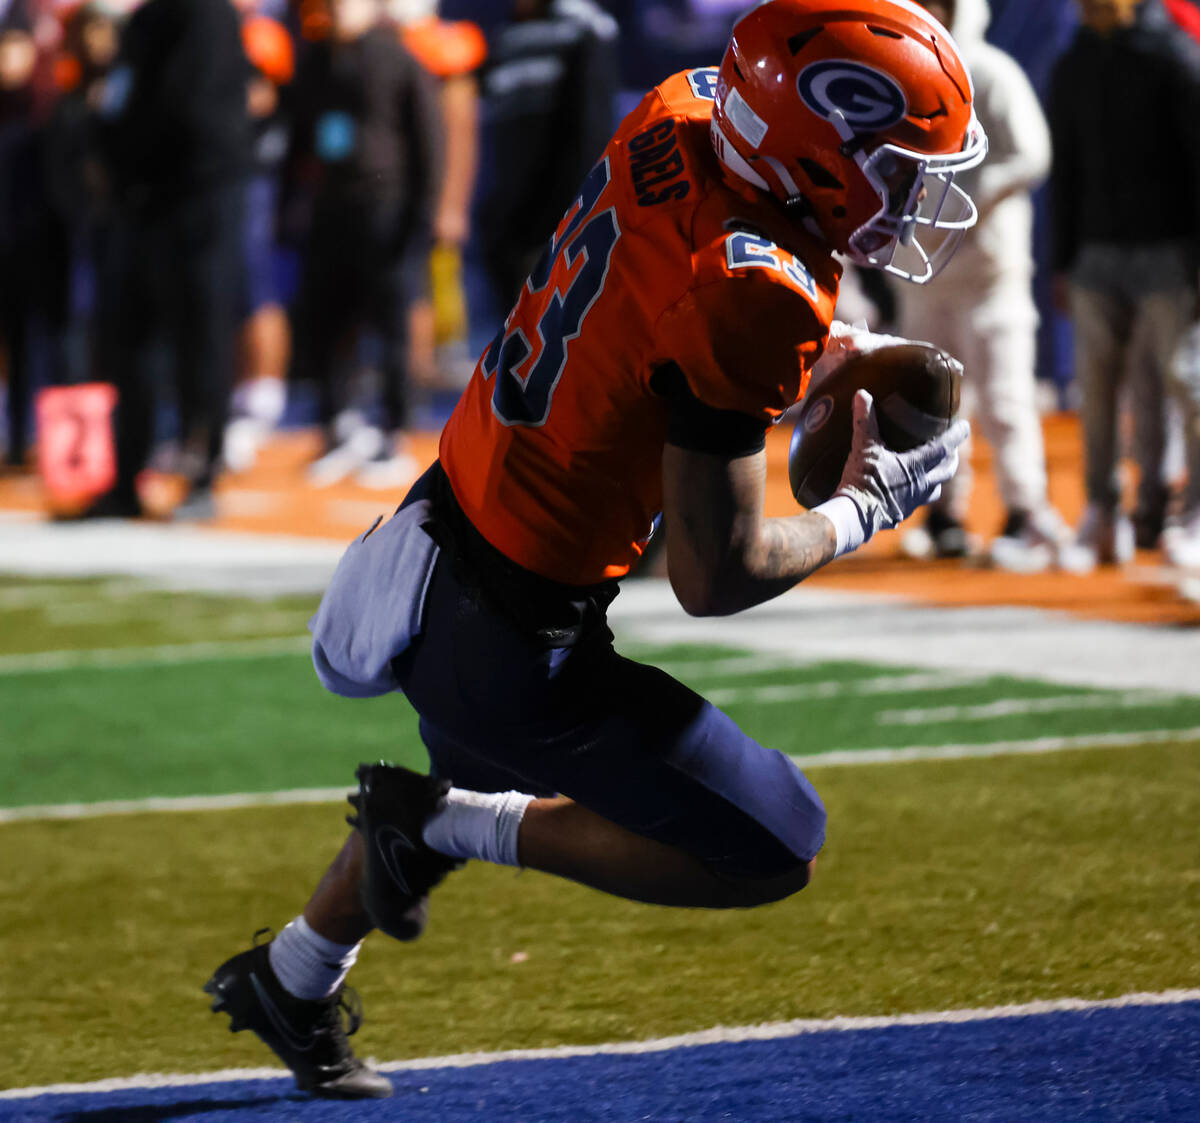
1010	763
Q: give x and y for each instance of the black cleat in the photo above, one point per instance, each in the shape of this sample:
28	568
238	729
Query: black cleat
307	1035
391	807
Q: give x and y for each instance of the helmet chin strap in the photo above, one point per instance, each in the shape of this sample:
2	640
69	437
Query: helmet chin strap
798	208
797	203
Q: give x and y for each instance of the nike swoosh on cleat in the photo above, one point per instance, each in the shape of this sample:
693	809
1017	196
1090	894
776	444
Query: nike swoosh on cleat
300	1044
393	845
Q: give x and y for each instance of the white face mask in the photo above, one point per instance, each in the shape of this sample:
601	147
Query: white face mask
923	213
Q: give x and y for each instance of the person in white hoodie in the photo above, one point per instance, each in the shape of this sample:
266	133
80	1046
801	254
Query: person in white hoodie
982	311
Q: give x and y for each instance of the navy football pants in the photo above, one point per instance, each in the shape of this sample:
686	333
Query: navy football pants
624	739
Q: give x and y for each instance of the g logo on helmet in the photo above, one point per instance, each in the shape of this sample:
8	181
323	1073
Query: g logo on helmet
867	98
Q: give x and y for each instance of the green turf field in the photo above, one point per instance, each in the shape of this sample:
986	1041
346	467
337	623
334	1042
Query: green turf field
945	883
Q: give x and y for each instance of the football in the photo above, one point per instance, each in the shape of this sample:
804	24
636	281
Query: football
916	391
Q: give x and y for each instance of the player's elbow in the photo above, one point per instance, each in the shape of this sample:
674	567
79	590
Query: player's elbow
702	599
701	591
695	602
691	585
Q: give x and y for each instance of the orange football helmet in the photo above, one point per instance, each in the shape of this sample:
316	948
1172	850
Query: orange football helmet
856	115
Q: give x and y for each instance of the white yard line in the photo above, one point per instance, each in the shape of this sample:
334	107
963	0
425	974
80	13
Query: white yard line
839	757
207	650
112	658
172	556
172	804
808	625
992	748
719	1035
839	688
1017	707
811	625
733	665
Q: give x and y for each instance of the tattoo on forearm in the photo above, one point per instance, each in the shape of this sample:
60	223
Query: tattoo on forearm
792	548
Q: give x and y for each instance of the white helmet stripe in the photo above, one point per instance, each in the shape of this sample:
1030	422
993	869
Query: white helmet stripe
789	184
733	159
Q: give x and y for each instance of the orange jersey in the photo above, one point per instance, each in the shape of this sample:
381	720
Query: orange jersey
555	449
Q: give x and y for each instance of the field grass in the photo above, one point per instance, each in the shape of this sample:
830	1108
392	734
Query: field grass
234	722
67	615
944	884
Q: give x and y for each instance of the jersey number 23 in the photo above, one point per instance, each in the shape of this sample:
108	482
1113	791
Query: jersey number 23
560	295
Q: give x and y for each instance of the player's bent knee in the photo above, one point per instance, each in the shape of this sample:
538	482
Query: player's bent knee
751	892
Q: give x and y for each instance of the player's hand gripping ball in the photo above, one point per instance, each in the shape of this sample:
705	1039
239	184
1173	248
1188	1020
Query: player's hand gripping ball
916	390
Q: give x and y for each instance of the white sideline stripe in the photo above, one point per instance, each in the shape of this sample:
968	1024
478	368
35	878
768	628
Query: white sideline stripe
1015	707
174	803
807	691
814	624
718	1035
835	757
106	658
994	748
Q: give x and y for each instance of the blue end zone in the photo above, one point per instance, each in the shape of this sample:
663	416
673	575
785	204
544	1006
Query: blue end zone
1101	1064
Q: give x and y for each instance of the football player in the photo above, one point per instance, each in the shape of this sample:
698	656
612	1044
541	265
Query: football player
676	314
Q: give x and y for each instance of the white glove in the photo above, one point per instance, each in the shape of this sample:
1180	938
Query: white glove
881	488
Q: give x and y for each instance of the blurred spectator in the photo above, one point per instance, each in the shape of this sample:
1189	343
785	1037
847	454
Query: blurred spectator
1181	535
549	99
981	310
366	150
21	215
453	51
76	186
1034	34
259	397
18	60
1125	120
661	37
178	144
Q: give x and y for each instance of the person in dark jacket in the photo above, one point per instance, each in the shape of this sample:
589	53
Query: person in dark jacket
76	186
548	92
177	140
1125	126
259	394
22	224
366	154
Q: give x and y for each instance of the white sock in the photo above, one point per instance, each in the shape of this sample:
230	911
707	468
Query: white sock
307	964
478	825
